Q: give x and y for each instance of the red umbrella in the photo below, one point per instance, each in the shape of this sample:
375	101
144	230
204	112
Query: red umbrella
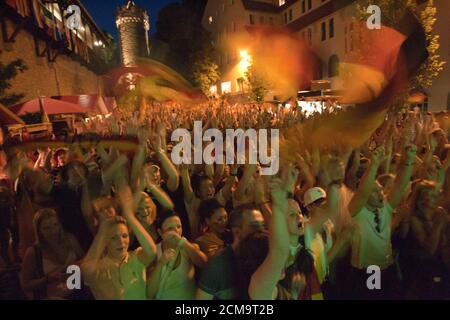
51	106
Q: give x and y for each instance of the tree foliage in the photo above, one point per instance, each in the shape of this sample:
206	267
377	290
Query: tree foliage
7	73
392	12
257	87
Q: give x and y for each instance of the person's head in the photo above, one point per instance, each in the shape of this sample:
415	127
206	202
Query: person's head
244	221
118	239
105	208
376	198
213	215
203	187
363	165
153	172
250	254
146	211
294	218
314	200
169	221
387	182
425	195
432	170
61	157
74	174
47	227
336	169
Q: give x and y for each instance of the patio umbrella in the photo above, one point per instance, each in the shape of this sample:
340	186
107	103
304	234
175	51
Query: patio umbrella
51	106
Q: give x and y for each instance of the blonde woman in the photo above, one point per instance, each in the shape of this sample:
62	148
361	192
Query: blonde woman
110	270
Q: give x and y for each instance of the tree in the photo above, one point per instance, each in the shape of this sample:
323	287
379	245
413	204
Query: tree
393	11
205	72
257	86
190	49
7	73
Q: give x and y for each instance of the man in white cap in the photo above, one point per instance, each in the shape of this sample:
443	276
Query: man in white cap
319	229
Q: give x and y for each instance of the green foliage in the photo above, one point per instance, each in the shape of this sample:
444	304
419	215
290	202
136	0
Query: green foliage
257	87
392	12
205	72
7	73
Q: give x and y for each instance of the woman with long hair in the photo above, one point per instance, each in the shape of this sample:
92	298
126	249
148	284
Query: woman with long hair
45	263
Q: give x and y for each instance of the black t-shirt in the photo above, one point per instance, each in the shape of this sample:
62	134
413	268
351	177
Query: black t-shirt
219	276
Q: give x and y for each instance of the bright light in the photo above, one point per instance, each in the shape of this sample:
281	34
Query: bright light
226	87
246	60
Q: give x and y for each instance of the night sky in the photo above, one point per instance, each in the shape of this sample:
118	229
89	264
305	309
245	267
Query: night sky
103	11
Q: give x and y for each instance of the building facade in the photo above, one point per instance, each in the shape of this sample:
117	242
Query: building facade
326	27
61	60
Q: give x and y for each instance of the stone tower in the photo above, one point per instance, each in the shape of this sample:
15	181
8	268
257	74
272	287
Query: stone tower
133	25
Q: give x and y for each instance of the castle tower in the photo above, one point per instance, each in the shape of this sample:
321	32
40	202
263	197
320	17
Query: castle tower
133	25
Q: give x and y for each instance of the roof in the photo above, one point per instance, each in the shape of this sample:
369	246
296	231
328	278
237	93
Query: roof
253	5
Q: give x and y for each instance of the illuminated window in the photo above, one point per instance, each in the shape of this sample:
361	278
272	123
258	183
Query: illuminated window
210	19
282	2
240	84
213	90
226	87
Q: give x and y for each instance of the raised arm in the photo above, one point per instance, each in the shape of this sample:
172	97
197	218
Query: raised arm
266	277
189	195
364	190
147	255
403	177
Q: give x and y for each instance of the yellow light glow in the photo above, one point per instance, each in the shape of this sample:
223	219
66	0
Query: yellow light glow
246	60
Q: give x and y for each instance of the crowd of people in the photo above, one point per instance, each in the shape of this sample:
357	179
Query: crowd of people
140	227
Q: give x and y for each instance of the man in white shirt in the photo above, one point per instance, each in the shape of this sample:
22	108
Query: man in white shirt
371	239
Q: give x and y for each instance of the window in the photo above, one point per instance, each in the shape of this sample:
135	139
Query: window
251	19
324	31
226	87
213	90
240	84
331	28
233	26
310	36
261	20
285	18
303	6
282	2
333	66
210	19
346	45
309	4
271	21
231	2
290	14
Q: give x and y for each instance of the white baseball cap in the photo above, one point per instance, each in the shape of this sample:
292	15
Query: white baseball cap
314	194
